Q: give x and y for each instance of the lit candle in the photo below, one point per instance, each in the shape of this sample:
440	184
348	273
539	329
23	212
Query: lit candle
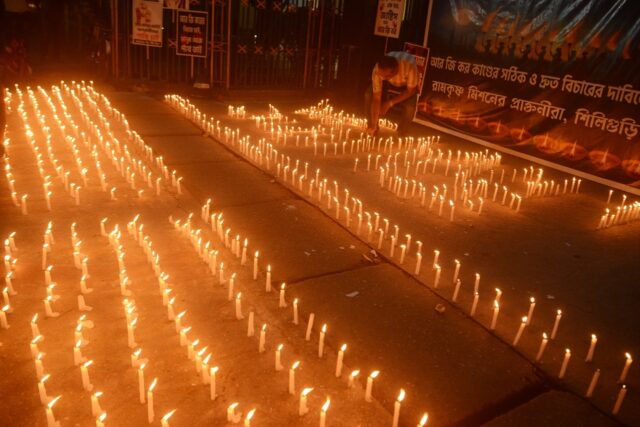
279	366
436	254
263	334
212	382
281	302
496	311
100	419
340	360
396	408
231	412
141	382
96	410
323	413
423	420
250	325
23	204
418	263
474	304
621	394
625	370
592	348
42	391
150	413
543	345
268	279
39	366
247	420
239	306
456	271
436	280
565	363
532	306
295	311
323	332
255	265
292	377
372	376
35	331
3	317
302	406
51	420
554	331
164	422
352	378
523	324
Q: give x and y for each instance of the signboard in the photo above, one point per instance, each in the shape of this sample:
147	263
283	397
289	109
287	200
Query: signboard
146	24
389	18
191	35
540	81
421	55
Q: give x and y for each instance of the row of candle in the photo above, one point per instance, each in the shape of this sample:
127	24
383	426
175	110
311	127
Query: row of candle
243	144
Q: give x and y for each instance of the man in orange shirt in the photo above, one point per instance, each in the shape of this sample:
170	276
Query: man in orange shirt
395	70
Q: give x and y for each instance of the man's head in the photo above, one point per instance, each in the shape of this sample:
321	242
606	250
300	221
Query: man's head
387	67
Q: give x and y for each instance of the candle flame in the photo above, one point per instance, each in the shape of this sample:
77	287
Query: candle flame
53	402
325	407
343	348
168	415
102	417
46	377
98	393
250	414
374	374
214	370
280	347
295	365
153	384
524	319
628	357
306	391
88	363
324	328
424	419
401	395
206	359
355	373
233	405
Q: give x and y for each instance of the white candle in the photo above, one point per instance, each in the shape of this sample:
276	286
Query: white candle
247	420
3	317
496	311
436	254
278	364
309	327
418	263
621	394
35	331
100	419
456	271
231	412
295	311
323	331
255	265
396	408
141	383
592	348
532	306
554	331
343	348
456	290
212	382
263	333
323	413
150	413
250	325
625	370
593	383
474	305
268	279
239	306
368	391
523	324
51	420
565	363
281	302
543	345
436	280
302	405
42	391
96	410
23	204
292	377
352	378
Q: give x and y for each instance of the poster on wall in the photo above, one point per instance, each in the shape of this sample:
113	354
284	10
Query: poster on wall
389	18
191	34
556	80
146	23
421	55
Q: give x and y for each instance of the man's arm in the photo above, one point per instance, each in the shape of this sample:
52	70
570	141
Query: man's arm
408	93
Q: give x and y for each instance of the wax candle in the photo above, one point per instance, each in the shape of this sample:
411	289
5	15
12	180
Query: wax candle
456	271
456	290
436	254
3	317
100	419
309	327
263	334
35	331
343	348
396	408
418	263
23	204
295	311
239	306
369	389
42	391
474	304
323	413
565	363
250	326
212	382
150	413
302	405
278	361
141	387
621	394
625	370
436	279
51	420
96	410
323	332
523	324
231	412
425	418
532	306
256	255
543	345
592	348
247	419
292	377
556	324
281	302
496	311
593	383
268	279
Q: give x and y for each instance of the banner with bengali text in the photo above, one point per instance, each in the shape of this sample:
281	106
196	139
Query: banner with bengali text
559	80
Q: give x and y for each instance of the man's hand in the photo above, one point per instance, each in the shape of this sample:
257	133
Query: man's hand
385	107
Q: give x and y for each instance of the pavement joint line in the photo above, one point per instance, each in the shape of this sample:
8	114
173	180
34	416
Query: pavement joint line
333	273
548	381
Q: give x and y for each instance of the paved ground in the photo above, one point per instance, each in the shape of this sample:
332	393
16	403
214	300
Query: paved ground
449	364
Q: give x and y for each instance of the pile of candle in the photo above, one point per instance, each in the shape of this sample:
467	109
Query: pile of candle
625	213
